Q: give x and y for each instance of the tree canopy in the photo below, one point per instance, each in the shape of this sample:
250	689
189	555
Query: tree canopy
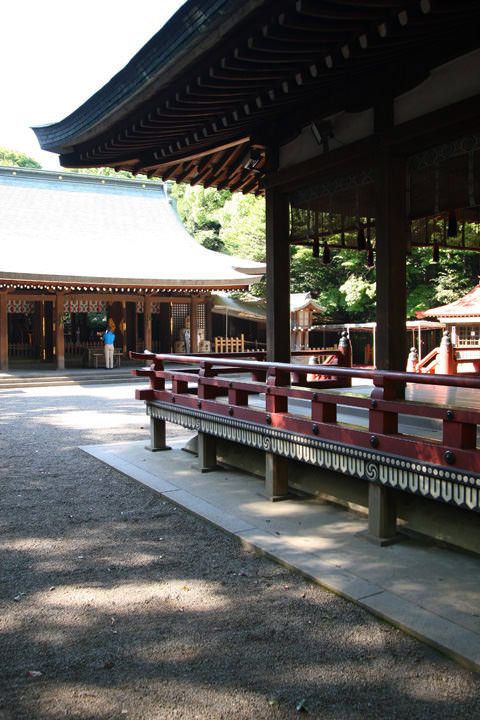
17	159
346	287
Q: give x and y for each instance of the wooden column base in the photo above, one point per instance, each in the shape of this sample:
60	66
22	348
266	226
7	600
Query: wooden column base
207	452
382	517
276	477
157	436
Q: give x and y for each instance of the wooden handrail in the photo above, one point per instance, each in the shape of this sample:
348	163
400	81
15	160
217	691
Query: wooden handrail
365	373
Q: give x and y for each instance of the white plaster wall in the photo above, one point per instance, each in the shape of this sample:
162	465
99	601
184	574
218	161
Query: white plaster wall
447	84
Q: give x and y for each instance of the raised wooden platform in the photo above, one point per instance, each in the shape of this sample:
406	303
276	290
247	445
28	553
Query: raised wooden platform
404	432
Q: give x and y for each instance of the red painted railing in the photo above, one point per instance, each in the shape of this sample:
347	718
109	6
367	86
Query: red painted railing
202	386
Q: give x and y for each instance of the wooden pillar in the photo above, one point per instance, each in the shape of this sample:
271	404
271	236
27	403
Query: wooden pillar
123	326
208	318
391	340
207	452
278	276
382	518
147	317
276	477
134	315
157	435
59	331
41	305
391	246
194	324
3	331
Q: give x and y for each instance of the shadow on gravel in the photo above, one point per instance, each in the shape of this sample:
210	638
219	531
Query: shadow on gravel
115	603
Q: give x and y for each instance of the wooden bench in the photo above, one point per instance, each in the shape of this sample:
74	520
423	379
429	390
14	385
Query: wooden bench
96	355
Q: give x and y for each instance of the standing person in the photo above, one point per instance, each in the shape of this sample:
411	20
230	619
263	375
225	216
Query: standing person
108	340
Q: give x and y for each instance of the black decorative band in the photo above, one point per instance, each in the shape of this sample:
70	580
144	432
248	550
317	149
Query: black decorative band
430	481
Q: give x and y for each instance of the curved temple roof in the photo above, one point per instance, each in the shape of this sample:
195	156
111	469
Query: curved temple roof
224	80
76	228
466	306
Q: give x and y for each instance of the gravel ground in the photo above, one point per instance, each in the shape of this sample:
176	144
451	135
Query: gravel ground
116	604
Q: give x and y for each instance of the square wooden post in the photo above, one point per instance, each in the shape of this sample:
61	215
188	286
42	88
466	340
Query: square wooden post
194	324
391	257
157	435
207	452
278	276
59	331
276	477
391	340
208	318
382	517
147	318
3	331
123	326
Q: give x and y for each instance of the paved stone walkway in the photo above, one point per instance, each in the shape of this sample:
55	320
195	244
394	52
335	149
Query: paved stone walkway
429	591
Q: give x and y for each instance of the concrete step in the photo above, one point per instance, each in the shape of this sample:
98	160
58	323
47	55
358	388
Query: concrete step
9	382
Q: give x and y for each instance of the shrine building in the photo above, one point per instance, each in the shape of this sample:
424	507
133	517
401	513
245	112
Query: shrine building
360	124
69	263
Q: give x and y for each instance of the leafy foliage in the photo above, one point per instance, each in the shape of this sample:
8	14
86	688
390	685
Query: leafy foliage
242	226
346	287
17	159
104	172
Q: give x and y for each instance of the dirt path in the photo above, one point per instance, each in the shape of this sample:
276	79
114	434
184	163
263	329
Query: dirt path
116	604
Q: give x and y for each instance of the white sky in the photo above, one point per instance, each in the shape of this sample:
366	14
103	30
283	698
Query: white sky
55	54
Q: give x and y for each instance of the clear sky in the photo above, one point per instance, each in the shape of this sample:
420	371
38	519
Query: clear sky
55	54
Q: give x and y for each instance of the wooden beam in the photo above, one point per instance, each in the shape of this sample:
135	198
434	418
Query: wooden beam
59	331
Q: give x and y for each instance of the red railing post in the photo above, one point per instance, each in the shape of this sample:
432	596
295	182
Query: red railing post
156	383
458	434
259	375
381	421
237	397
276	378
206	392
324	412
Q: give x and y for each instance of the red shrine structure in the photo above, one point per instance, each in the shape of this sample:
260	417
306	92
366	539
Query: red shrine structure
68	254
460	347
360	124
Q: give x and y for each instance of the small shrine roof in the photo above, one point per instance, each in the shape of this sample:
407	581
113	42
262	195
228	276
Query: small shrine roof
247	309
73	228
466	306
302	301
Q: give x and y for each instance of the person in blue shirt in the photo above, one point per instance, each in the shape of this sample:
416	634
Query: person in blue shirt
108	340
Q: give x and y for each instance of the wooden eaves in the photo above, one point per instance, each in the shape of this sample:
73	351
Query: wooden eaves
222	82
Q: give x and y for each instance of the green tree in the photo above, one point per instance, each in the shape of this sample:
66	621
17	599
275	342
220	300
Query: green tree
17	159
197	206
104	172
242	220
345	287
